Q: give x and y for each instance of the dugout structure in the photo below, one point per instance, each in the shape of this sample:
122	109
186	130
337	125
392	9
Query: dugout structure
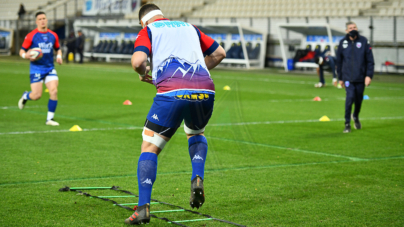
112	39
313	34
6	40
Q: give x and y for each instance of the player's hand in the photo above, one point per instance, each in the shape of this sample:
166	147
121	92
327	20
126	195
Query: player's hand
368	80
341	83
146	78
59	61
28	55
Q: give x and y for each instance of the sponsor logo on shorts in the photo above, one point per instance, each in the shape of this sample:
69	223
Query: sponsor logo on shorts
155	117
193	97
346	83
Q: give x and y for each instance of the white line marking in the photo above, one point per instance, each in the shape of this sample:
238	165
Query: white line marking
16	107
209	125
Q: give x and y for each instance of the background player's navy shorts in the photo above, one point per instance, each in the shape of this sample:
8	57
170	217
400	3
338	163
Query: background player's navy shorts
39	77
169	111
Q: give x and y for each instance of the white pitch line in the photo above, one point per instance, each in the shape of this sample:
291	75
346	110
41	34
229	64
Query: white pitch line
209	125
16	107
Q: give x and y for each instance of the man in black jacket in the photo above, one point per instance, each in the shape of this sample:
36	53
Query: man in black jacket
355	67
80	45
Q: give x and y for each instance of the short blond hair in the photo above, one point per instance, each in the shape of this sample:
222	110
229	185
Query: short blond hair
349	23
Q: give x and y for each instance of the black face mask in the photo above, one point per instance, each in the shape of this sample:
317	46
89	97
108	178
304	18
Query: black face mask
353	33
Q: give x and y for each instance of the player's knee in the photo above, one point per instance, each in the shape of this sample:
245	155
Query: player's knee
53	91
35	95
153	138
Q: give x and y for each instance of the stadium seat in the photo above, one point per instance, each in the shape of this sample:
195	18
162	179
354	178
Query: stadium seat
229	53
308	47
317	49
121	47
106	47
97	47
255	52
113	47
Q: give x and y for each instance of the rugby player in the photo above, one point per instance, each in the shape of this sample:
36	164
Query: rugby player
180	58
42	70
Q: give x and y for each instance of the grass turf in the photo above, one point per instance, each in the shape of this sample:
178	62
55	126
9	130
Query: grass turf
270	161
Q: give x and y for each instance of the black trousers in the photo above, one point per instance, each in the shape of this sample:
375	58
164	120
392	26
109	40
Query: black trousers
80	51
354	95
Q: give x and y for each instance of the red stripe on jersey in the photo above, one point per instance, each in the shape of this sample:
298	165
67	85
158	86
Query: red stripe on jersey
143	39
56	46
206	41
28	39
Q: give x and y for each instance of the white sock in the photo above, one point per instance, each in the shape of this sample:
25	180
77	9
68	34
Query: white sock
50	116
25	96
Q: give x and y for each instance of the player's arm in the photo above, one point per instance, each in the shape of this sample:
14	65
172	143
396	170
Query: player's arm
59	58
215	58
25	51
212	51
370	64
339	63
140	55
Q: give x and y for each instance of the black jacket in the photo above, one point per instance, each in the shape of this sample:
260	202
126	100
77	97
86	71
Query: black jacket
354	59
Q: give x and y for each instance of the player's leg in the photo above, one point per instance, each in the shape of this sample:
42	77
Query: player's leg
359	90
52	83
195	119
350	98
320	72
331	63
155	136
34	94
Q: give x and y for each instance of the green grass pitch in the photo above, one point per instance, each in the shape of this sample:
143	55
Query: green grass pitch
271	162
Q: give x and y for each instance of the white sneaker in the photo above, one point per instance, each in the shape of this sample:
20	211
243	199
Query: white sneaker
22	101
335	82
52	123
319	84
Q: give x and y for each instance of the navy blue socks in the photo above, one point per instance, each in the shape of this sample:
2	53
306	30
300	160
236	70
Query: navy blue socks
198	149
146	175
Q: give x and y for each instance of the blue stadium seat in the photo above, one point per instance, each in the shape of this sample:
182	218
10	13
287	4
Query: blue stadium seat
317	50
308	47
121	47
113	47
97	48
229	53
255	53
106	47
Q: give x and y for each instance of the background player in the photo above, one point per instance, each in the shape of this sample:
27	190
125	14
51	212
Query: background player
326	62
42	70
355	67
185	91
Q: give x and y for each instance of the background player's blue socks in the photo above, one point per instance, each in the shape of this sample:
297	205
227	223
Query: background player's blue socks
146	175
51	109
26	96
198	149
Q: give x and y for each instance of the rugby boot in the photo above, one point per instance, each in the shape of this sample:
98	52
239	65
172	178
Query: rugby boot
22	101
347	128
197	193
357	124
51	122
141	216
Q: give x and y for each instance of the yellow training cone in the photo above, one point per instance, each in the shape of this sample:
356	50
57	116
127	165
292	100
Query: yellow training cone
226	88
46	90
75	128
324	118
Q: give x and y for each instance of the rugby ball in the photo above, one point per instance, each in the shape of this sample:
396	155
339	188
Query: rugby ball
36	54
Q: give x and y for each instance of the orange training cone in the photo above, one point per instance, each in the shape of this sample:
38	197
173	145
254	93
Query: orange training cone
317	98
127	102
